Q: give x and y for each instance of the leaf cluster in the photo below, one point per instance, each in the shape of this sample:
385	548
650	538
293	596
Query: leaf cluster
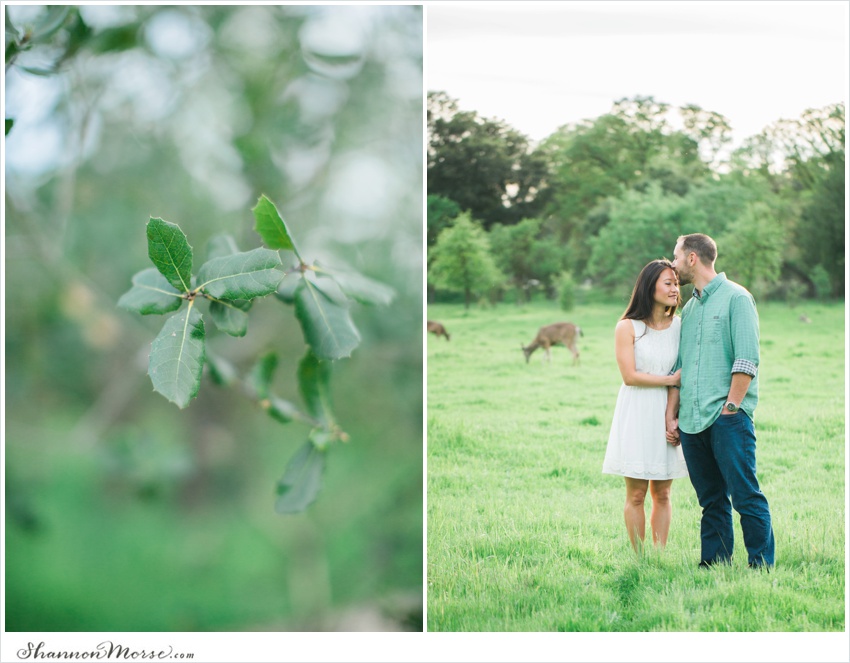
230	281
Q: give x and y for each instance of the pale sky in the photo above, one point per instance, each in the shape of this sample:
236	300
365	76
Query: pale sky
541	65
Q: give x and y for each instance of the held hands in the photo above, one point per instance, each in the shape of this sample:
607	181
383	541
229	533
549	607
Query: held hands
673	432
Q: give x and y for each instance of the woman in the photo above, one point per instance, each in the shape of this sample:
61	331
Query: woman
647	342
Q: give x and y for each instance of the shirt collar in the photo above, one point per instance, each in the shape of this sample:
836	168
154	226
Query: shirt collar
715	283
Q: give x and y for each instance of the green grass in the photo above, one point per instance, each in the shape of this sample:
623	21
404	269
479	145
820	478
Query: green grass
525	533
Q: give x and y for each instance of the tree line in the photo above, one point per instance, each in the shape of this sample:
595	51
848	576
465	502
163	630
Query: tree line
597	199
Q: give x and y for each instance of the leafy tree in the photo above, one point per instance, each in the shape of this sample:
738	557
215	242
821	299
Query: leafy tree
754	158
588	162
800	163
524	255
631	147
710	130
810	142
483	165
822	228
676	165
657	151
814	148
441	212
566	291
723	200
751	249
645	120
821	281
460	260
643	227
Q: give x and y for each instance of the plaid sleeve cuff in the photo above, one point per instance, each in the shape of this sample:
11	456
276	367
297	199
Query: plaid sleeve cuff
744	366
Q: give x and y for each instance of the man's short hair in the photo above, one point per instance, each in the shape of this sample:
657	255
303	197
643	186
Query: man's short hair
702	245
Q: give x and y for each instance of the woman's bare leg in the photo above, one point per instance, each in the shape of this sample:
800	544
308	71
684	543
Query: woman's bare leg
634	513
662	511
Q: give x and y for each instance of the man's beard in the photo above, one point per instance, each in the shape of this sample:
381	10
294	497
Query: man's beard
684	277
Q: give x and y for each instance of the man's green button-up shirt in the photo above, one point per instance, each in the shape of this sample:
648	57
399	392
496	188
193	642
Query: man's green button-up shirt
720	336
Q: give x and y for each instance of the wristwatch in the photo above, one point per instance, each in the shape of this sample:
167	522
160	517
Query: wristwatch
731	407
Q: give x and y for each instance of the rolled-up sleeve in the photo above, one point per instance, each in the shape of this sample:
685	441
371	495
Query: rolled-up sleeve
745	335
745	366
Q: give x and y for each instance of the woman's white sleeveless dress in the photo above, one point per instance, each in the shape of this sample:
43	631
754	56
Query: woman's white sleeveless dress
637	444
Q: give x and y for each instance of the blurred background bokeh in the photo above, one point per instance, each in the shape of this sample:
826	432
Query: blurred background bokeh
123	513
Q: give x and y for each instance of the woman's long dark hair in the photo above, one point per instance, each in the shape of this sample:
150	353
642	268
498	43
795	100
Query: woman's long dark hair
643	295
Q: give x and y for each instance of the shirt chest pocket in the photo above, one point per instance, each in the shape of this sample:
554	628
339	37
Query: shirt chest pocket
717	324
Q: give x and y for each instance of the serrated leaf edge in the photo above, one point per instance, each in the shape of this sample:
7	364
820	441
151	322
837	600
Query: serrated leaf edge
194	392
237	274
186	288
264	198
308	284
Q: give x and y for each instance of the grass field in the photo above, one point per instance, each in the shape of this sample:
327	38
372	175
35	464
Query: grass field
526	534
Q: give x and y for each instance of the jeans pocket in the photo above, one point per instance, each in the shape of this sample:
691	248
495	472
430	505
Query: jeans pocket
731	419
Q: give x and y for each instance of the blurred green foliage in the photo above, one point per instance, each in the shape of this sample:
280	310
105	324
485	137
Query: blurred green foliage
122	512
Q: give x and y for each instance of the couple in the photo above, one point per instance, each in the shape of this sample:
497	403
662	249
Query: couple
686	406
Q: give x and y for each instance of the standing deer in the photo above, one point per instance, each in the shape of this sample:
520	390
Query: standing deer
564	333
438	329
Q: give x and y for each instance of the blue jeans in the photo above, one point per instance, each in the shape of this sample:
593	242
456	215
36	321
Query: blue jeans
722	464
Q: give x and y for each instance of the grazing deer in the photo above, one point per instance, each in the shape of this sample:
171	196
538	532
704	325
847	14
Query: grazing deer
564	333
438	329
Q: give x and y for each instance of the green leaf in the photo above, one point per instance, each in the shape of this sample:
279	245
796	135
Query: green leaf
220	246
231	317
302	480
221	371
151	294
271	227
260	378
286	289
241	275
327	326
119	38
313	381
177	357
281	410
9	123
329	289
170	253
362	288
41	71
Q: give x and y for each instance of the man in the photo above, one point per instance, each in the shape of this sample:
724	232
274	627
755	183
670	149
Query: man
712	412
